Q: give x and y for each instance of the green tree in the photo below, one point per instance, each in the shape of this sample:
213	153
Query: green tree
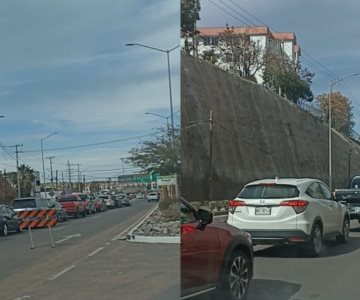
26	178
158	155
243	57
189	16
282	77
342	118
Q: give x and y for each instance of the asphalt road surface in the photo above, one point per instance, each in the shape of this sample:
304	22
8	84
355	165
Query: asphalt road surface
89	261
283	273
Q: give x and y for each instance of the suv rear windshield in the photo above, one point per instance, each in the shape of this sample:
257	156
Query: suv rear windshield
28	203
275	191
68	199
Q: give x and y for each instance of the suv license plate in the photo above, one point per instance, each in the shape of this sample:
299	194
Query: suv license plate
262	210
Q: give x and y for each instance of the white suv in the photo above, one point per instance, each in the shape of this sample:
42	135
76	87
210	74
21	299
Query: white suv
292	210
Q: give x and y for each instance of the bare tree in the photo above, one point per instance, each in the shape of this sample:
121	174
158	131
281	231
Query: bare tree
241	55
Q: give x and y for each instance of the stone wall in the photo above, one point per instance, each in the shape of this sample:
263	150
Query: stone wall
256	134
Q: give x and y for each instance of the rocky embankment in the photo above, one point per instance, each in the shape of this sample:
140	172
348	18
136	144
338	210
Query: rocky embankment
160	224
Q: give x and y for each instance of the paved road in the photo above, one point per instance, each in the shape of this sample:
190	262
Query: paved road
281	273
88	262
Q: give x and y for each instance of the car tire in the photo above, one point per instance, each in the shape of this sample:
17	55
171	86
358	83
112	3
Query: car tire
313	248
4	230
76	214
84	214
344	236
236	277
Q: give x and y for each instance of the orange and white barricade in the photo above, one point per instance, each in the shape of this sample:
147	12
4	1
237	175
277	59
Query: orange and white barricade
40	218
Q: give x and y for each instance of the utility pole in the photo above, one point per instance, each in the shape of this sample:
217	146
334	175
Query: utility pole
69	171
51	171
56	180
211	124
79	178
17	169
5	185
63	182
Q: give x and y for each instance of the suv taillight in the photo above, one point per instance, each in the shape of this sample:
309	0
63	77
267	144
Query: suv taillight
233	204
298	205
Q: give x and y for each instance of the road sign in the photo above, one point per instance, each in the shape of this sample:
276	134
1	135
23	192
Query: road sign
166	180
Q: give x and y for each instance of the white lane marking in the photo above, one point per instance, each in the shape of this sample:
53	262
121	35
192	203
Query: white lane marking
133	225
62	272
68	237
96	217
122	232
96	251
59	228
108	244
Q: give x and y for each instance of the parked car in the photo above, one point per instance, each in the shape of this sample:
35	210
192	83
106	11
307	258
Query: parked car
8	220
89	203
214	256
73	205
29	203
153	196
110	203
139	196
125	201
100	205
61	214
291	211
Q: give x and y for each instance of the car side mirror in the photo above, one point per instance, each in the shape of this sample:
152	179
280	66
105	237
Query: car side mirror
204	217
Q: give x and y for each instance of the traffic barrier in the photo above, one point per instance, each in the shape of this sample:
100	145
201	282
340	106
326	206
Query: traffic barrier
37	218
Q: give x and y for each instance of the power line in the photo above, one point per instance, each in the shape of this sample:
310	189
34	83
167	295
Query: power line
93	144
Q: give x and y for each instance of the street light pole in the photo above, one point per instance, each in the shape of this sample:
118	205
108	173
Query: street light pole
169	76
42	157
331	84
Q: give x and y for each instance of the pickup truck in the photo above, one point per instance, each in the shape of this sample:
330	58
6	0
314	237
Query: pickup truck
352	198
73	205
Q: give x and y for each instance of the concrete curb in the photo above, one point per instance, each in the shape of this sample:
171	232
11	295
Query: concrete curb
151	239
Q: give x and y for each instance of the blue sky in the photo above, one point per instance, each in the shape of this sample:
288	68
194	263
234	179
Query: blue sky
326	30
64	68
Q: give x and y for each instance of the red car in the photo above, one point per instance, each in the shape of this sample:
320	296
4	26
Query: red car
73	205
214	256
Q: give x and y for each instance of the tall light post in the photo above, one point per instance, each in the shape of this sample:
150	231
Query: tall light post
160	116
169	76
331	84
42	157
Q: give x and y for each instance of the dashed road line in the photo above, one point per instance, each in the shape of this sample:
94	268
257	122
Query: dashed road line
62	272
96	251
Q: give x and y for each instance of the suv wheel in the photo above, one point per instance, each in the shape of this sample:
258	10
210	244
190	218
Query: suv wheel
344	236
315	244
4	231
236	279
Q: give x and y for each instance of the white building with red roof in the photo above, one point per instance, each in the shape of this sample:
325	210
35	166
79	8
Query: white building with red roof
282	43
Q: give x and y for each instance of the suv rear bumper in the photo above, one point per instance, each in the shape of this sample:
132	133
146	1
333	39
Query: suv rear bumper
275	237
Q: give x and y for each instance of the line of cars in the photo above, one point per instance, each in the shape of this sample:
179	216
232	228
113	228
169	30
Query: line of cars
219	255
70	205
